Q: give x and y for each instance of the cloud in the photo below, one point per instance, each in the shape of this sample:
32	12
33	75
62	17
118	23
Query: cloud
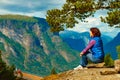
38	8
96	22
6	2
30	7
40	14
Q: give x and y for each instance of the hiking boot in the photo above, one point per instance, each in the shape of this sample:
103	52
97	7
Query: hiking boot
80	67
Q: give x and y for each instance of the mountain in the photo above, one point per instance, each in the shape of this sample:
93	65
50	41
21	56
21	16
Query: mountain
27	43
111	46
75	40
78	41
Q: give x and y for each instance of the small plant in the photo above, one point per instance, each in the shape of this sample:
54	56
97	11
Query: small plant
109	62
53	71
118	51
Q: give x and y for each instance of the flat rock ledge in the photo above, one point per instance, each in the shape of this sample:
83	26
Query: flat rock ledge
86	74
94	72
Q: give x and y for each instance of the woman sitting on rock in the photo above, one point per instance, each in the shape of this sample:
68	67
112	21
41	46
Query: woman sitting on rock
94	50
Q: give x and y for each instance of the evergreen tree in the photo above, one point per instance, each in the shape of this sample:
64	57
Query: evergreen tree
6	72
60	19
2	65
109	62
53	71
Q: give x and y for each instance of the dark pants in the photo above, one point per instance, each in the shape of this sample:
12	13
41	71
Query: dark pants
89	56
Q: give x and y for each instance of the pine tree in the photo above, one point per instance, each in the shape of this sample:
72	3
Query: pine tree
72	10
2	65
6	72
53	71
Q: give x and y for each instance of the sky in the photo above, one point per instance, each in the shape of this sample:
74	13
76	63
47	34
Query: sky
38	8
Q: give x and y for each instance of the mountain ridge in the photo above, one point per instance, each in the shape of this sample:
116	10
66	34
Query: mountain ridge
111	46
80	39
31	47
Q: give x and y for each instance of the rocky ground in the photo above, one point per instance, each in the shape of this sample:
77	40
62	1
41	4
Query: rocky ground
86	74
94	72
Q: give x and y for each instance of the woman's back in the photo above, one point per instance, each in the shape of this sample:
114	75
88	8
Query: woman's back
97	48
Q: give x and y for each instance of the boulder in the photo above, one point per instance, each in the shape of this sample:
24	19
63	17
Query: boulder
117	65
108	72
98	65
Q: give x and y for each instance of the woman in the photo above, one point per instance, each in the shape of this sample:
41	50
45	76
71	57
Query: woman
94	50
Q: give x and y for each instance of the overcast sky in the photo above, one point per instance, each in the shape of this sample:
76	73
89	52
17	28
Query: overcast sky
39	8
36	8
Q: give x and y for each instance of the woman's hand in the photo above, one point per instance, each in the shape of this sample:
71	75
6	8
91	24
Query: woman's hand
81	53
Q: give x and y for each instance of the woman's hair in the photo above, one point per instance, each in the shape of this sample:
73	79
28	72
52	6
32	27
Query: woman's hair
95	31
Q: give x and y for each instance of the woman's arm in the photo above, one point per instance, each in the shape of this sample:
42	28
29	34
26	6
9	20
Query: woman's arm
91	43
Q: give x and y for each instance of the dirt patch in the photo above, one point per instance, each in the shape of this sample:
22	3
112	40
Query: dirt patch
31	77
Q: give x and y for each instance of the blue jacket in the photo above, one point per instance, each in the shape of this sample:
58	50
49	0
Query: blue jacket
97	48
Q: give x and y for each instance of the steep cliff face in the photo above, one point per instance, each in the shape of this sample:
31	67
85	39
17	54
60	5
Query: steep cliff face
27	43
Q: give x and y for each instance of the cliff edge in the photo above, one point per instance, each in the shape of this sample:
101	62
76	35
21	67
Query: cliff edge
86	74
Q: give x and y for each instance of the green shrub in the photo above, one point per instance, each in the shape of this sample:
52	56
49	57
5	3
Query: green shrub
118	51
6	72
109	62
53	71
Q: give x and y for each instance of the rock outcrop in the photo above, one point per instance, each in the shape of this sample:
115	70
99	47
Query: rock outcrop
117	65
94	72
85	74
